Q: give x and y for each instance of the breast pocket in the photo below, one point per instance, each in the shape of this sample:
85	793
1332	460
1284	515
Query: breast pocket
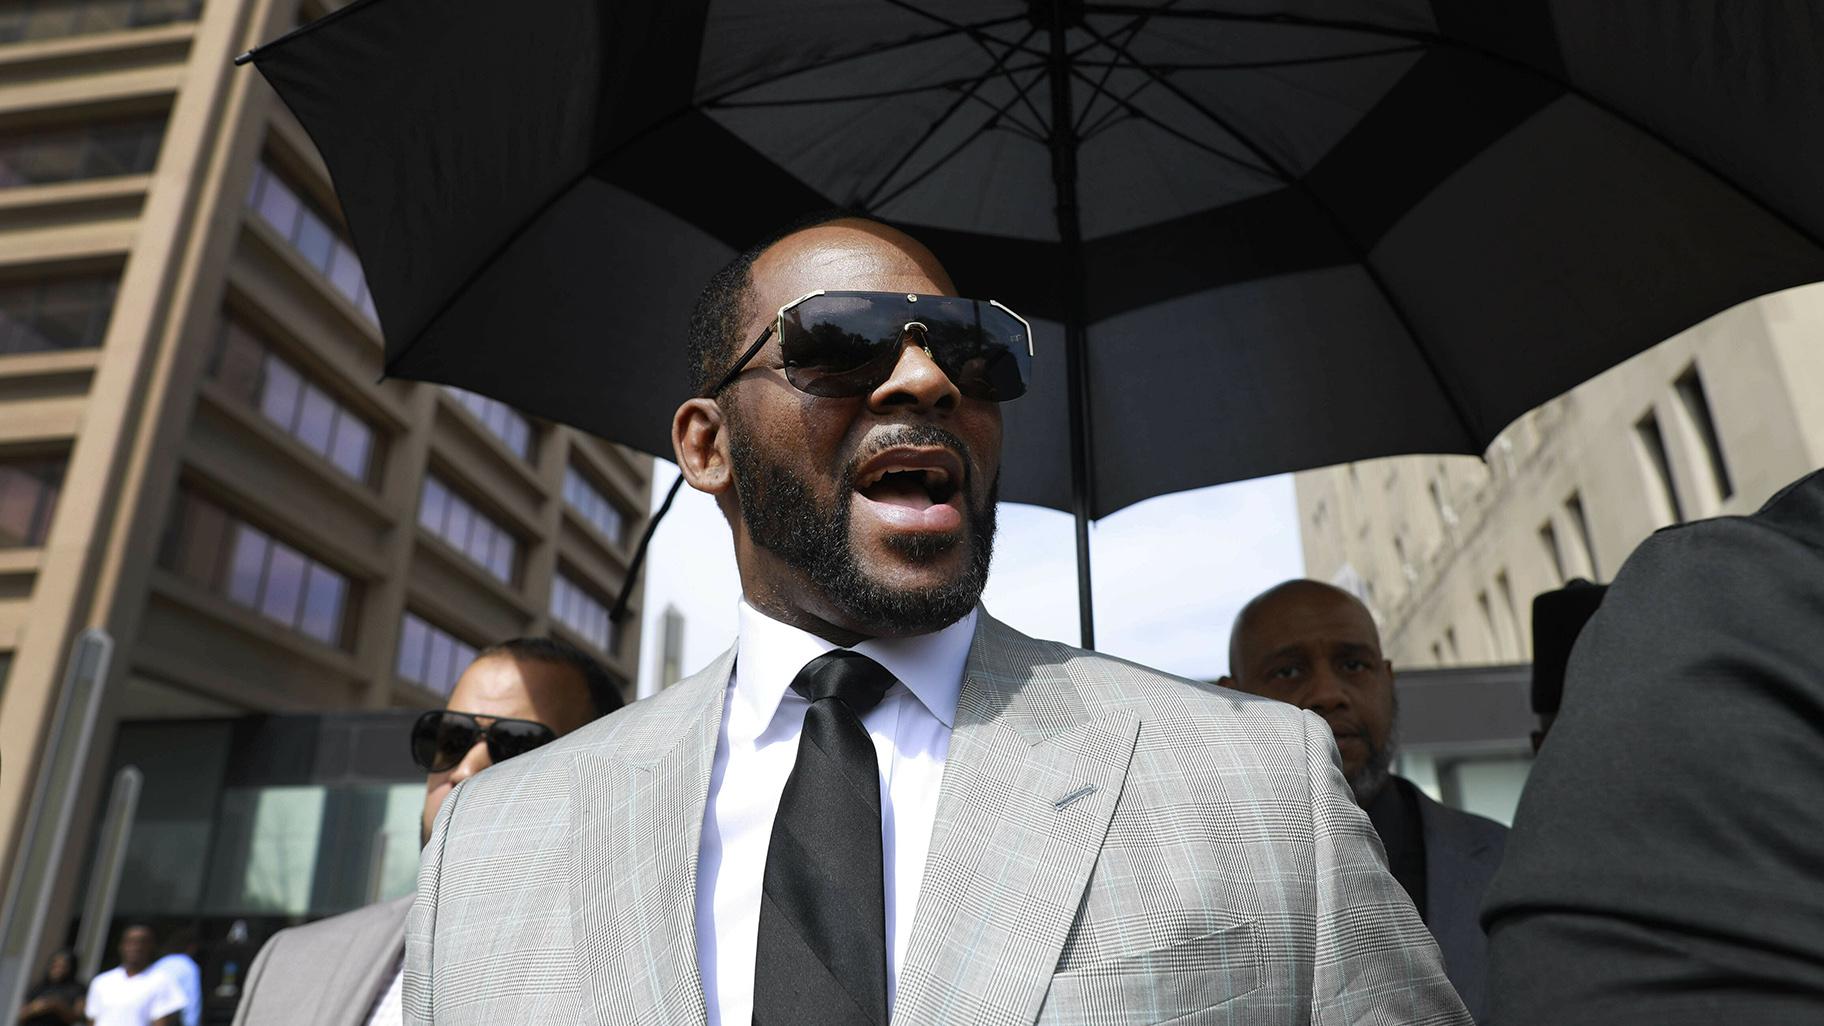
1157	985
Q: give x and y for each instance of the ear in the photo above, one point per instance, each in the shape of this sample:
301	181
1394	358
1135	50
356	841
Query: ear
699	440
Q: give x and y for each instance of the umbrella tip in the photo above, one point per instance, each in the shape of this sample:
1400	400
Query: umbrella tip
243	58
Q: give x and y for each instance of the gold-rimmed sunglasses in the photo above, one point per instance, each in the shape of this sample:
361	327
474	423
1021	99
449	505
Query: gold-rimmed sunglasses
846	344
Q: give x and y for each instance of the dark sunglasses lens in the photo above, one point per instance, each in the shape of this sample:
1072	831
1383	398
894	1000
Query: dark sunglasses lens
843	344
982	347
441	739
507	738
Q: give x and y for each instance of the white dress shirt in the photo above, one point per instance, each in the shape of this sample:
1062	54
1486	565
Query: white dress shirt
761	721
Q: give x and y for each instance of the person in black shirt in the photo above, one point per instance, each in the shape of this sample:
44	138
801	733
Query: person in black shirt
57	999
1316	647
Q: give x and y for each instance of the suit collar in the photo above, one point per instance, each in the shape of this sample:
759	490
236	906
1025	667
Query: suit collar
771	654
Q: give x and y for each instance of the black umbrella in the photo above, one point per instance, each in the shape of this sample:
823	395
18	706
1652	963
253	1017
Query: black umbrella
1260	237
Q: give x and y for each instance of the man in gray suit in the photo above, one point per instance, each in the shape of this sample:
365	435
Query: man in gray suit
882	802
1316	647
345	971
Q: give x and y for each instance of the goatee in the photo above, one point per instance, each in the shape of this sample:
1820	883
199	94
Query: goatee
783	516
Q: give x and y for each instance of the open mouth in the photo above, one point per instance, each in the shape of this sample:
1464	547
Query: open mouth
914	489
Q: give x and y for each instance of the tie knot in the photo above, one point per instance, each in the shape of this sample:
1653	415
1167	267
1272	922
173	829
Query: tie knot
859	682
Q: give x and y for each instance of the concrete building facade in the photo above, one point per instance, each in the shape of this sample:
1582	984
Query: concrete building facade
194	455
1449	551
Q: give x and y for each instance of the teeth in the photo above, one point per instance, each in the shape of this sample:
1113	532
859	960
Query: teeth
933	476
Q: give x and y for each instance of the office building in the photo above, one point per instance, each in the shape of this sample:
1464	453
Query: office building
197	461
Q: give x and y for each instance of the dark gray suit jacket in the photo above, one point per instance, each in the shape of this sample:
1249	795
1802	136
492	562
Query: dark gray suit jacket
1667	862
327	973
1461	853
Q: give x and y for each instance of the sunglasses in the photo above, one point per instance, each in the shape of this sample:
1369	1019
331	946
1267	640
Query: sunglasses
441	738
844	344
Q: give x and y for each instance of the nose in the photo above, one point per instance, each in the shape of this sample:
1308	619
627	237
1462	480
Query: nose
917	380
473	762
1326	693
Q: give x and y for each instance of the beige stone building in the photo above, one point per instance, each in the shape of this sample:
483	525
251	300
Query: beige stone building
1449	551
195	456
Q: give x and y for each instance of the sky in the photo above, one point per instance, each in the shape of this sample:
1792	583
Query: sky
1169	573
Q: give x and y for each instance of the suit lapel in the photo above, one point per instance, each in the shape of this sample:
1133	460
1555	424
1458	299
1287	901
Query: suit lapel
1030	784
638	801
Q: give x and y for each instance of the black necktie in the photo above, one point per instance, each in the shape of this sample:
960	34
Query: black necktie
822	953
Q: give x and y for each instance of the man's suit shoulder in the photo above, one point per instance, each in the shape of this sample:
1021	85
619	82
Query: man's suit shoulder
1463	830
1180	704
337	932
649	725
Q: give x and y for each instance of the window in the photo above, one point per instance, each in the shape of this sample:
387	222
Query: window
55	313
429	657
28	500
250	568
1437	653
310	234
595	508
1691	396
1450	639
80	152
582	612
1652	446
265	381
1488	621
1548	539
51	19
501	420
1573	508
454	519
1506	590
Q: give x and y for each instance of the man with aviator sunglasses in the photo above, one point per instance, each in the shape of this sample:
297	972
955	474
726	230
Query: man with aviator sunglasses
516	696
881	802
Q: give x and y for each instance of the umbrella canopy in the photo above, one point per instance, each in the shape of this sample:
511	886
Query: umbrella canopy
1339	230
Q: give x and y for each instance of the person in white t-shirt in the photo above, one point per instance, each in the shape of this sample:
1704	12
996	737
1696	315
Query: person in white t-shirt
131	994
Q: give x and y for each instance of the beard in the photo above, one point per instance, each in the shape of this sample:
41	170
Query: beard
783	516
1367	782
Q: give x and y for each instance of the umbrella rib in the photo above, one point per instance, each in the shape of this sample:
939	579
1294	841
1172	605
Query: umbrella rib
1099	89
1433	39
884	94
981	39
1293	62
1000	112
1133	111
871	198
829	62
1361	257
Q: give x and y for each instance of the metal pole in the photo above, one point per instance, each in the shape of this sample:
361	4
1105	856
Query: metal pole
47	826
110	859
1076	358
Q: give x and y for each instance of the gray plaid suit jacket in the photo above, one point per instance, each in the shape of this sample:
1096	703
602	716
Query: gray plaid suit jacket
1112	845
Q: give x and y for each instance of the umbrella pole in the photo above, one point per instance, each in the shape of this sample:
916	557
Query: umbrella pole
1070	236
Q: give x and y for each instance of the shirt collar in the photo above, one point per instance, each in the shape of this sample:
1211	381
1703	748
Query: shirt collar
770	654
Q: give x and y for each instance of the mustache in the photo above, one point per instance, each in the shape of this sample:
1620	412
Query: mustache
914	435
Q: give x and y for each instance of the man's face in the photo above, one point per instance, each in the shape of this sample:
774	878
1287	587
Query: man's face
1318	649
136	949
502	687
827	539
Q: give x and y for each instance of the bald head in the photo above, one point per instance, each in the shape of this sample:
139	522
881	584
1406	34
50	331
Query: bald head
731	312
1316	646
1266	610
